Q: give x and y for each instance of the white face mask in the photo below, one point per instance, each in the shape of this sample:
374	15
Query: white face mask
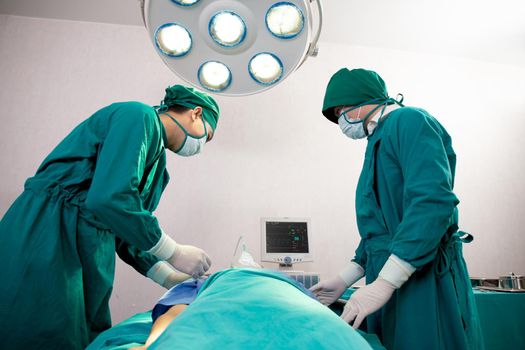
191	145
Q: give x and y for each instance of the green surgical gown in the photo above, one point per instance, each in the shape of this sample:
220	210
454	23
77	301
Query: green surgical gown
93	195
405	206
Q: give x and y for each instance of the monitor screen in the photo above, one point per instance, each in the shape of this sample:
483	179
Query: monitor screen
286	237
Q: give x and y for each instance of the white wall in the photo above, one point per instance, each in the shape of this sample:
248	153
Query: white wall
274	154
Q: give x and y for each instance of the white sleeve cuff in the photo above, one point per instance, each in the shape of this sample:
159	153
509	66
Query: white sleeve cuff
352	273
160	272
396	271
164	248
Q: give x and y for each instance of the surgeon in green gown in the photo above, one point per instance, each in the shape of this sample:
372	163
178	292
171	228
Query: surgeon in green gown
91	197
417	293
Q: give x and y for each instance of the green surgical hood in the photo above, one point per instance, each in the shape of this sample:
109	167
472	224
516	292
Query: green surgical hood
352	88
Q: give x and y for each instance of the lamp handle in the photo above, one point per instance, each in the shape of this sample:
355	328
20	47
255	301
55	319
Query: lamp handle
141	3
313	49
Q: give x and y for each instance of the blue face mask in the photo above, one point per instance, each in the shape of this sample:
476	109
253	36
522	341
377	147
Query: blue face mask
355	128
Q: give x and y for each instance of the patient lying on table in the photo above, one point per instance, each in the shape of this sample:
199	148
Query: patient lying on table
175	300
172	303
244	309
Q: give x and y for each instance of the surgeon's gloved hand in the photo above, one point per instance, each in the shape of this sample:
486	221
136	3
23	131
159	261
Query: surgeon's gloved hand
185	258
330	290
375	295
191	260
367	300
175	278
165	275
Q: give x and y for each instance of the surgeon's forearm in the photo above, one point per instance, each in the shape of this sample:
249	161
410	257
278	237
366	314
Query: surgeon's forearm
161	323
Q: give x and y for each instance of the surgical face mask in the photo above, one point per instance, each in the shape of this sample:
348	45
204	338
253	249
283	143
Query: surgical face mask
353	128
191	145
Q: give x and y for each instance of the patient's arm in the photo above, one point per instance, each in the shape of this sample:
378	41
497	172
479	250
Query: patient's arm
161	323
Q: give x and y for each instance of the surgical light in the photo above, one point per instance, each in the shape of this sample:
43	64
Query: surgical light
284	20
173	40
227	29
232	47
185	2
214	76
266	68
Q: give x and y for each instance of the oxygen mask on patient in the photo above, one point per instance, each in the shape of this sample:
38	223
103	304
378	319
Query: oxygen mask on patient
242	258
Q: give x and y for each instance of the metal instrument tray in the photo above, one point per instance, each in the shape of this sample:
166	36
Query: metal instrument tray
497	289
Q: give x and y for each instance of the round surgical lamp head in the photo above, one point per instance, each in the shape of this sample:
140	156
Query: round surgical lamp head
266	68
185	2
233	48
284	20
227	29
214	76
173	40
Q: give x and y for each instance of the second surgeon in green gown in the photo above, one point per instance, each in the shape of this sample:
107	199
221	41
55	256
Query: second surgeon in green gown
94	195
418	294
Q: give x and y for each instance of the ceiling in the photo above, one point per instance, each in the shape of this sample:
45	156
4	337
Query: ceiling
474	29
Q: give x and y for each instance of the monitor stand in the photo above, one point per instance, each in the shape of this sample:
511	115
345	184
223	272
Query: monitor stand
307	279
287	266
287	262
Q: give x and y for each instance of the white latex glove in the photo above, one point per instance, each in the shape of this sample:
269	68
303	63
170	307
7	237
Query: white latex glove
165	275
191	260
367	300
375	295
185	258
330	290
175	278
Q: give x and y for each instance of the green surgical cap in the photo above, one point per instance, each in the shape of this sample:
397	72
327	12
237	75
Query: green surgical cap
190	98
352	88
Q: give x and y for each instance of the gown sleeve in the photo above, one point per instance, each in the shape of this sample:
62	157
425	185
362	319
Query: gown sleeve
140	260
114	196
428	199
360	254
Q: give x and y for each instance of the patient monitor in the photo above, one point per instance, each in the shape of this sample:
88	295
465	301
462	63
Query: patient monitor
285	240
